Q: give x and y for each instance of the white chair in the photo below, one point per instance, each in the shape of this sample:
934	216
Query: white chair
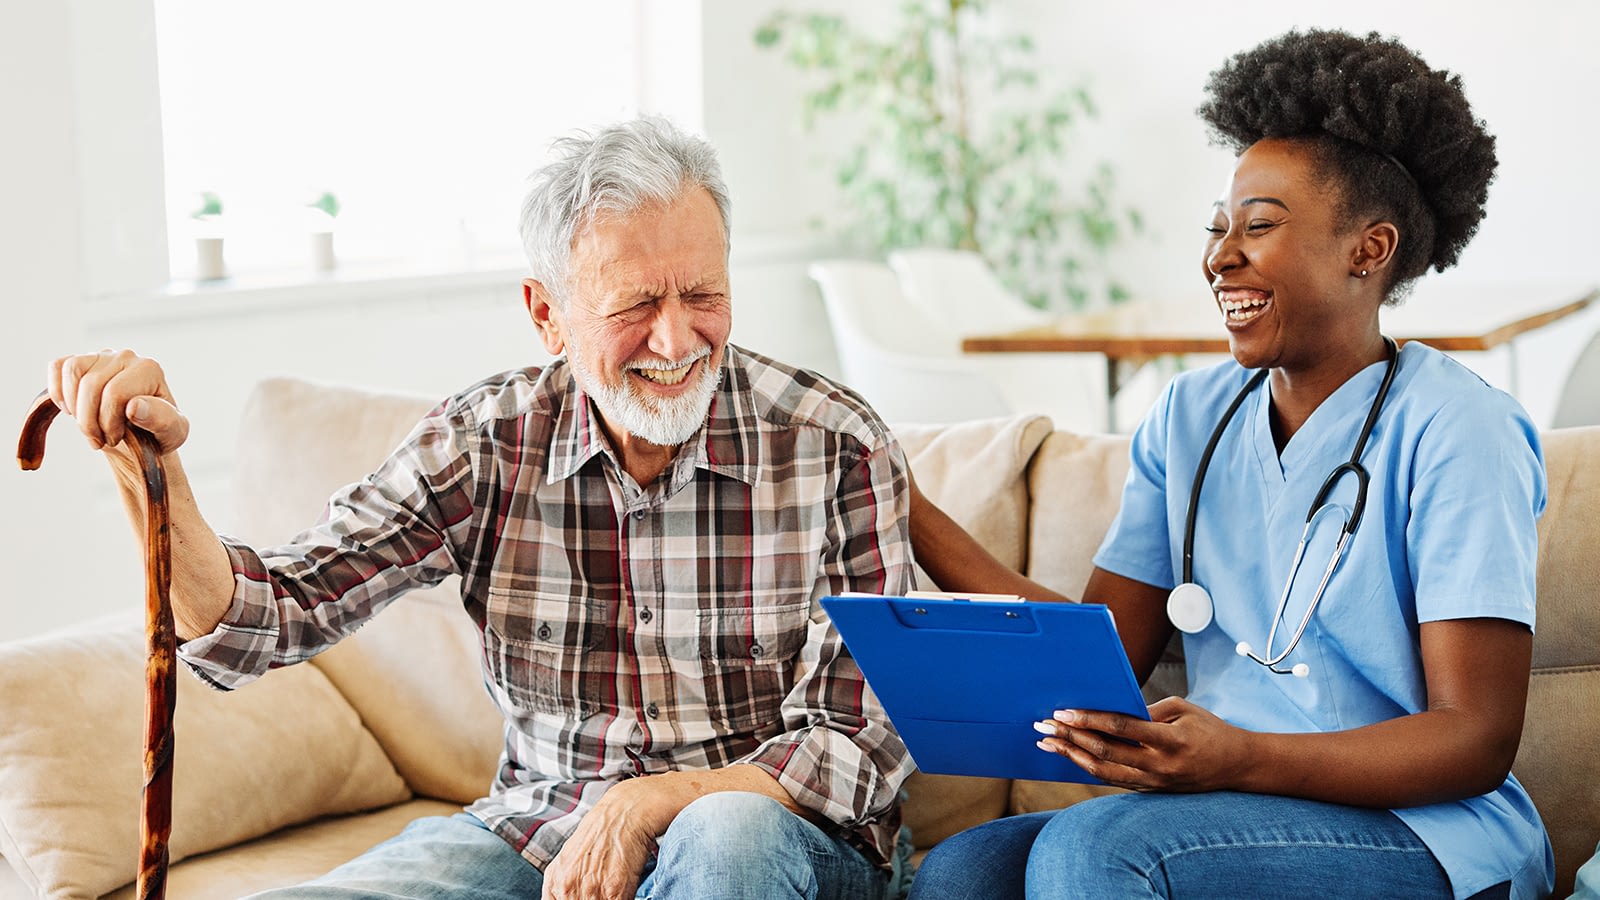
1579	403
958	290
906	367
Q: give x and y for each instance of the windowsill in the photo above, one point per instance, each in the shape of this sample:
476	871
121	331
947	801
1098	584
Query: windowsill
491	278
278	291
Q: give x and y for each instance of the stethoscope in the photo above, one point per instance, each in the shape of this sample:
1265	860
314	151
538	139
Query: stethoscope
1189	605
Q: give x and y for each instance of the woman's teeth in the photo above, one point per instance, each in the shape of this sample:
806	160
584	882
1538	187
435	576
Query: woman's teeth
1241	307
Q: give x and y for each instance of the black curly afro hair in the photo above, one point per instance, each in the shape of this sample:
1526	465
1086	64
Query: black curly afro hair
1397	137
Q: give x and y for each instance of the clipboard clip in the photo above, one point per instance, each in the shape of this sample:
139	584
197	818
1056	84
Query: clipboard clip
956	614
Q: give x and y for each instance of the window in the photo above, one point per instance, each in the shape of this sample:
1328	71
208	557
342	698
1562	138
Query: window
422	119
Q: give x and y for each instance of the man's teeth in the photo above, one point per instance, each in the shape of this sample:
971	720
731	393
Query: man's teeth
1241	307
666	376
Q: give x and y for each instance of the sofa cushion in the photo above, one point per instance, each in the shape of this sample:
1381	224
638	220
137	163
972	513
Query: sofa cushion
299	442
1038	796
436	722
290	856
1569	565
975	471
284	750
1078	482
1557	763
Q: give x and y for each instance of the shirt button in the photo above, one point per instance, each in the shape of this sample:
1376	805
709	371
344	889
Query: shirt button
644	615
652	711
755	648
638	514
544	632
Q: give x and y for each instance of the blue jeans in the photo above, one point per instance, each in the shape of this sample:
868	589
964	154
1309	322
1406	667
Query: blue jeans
1184	845
727	846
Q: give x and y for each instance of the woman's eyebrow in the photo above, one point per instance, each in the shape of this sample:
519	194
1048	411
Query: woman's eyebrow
1252	200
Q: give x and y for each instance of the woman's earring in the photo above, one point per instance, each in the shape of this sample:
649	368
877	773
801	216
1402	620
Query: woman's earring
1363	274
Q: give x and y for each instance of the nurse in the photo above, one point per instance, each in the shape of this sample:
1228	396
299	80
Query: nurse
1354	703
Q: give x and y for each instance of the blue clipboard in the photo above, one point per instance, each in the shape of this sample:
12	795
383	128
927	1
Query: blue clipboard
963	681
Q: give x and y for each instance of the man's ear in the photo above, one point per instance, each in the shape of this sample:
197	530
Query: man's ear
546	317
1376	248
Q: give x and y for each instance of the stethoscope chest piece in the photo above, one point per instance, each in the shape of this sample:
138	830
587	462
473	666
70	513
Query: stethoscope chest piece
1189	608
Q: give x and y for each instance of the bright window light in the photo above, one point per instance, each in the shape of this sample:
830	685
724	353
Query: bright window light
422	119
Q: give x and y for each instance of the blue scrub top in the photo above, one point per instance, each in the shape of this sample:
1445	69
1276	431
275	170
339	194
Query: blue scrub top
1449	532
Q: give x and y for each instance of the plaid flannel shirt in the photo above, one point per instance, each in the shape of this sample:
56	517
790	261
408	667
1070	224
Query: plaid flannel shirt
626	630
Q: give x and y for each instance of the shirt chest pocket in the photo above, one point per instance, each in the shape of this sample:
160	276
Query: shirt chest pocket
544	650
746	656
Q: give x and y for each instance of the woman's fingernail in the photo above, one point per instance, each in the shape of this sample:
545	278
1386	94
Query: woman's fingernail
138	409
1045	728
1043	746
1067	716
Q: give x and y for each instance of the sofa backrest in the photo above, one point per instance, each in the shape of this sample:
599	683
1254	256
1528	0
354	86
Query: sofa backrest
298	443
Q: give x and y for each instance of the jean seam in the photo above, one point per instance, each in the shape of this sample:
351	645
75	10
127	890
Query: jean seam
1161	861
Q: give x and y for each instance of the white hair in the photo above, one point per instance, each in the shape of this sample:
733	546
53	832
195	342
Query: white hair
617	169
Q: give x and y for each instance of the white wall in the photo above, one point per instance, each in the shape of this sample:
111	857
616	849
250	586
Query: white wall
44	536
1532	76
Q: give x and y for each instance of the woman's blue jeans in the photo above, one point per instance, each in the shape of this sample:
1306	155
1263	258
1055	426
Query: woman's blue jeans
728	846
1184	845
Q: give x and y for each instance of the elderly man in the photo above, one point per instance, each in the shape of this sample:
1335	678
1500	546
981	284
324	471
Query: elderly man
643	530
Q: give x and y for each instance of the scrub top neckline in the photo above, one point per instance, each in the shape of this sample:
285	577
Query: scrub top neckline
1310	444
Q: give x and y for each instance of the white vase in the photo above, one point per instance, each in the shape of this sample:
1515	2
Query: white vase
209	264
322	258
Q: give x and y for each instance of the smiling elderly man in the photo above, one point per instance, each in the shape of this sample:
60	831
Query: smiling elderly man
643	529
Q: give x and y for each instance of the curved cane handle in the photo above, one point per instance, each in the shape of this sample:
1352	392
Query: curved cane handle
161	644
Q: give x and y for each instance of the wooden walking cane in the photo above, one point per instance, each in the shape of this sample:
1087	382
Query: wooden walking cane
161	642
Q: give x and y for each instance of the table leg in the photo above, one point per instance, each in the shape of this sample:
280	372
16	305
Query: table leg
1113	384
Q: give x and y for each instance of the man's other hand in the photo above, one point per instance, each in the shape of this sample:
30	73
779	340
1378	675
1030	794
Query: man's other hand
606	854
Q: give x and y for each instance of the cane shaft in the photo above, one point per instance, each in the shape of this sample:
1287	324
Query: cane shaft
161	645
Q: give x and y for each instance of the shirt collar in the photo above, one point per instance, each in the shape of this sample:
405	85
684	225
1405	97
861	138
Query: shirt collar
727	444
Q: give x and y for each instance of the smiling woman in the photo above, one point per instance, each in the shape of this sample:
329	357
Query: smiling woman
1358	168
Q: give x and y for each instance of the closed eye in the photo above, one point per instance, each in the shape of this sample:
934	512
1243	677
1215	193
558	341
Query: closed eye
636	311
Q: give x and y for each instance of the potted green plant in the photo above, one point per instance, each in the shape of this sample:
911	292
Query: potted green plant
210	264
964	145
324	209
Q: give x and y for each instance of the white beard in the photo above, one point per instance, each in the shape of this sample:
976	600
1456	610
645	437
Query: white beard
666	423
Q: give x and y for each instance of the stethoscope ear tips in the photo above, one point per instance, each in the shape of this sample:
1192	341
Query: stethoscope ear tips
1298	670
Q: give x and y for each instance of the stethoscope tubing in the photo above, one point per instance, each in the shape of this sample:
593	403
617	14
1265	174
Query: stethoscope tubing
1318	504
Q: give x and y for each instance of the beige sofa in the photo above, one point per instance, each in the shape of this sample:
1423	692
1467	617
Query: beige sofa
282	780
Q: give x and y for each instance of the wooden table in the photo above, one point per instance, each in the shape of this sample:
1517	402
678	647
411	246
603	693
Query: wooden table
1454	318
